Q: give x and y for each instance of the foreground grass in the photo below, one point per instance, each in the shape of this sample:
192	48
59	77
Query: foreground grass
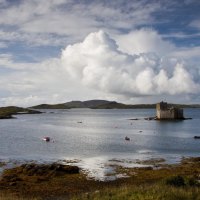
15	197
144	192
152	192
39	182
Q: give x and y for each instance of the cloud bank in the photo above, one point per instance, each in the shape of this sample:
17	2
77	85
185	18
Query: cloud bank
99	64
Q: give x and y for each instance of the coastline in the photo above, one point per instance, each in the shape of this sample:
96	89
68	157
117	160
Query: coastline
42	181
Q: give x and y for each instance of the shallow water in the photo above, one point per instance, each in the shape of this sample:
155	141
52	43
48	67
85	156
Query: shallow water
96	137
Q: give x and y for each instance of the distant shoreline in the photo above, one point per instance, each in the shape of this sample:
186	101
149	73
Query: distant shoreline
9	111
103	104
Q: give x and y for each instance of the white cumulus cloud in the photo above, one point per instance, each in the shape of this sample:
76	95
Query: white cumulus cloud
98	63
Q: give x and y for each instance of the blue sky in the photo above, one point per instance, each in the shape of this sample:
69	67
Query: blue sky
142	51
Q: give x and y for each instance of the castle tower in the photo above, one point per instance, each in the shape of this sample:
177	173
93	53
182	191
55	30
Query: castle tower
163	111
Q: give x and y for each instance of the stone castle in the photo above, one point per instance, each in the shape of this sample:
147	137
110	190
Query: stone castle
165	112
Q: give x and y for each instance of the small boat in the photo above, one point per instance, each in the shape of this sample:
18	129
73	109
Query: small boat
127	138
196	137
47	139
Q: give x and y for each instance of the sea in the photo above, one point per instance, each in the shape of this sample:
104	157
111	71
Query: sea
94	139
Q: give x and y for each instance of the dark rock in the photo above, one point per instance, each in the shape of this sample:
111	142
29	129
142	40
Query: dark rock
33	169
12	183
65	168
150	118
147	168
15	179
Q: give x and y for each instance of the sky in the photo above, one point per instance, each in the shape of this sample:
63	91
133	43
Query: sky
130	51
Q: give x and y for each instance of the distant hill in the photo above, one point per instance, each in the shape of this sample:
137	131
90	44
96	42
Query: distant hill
86	104
72	104
93	104
116	105
103	104
51	106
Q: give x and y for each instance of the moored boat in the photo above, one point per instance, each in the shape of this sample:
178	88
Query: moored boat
47	139
127	138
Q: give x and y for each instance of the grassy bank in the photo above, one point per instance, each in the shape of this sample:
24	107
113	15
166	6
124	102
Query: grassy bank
165	182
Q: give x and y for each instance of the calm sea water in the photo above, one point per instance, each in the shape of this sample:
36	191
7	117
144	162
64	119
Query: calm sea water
96	137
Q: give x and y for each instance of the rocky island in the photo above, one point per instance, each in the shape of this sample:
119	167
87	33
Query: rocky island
9	111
